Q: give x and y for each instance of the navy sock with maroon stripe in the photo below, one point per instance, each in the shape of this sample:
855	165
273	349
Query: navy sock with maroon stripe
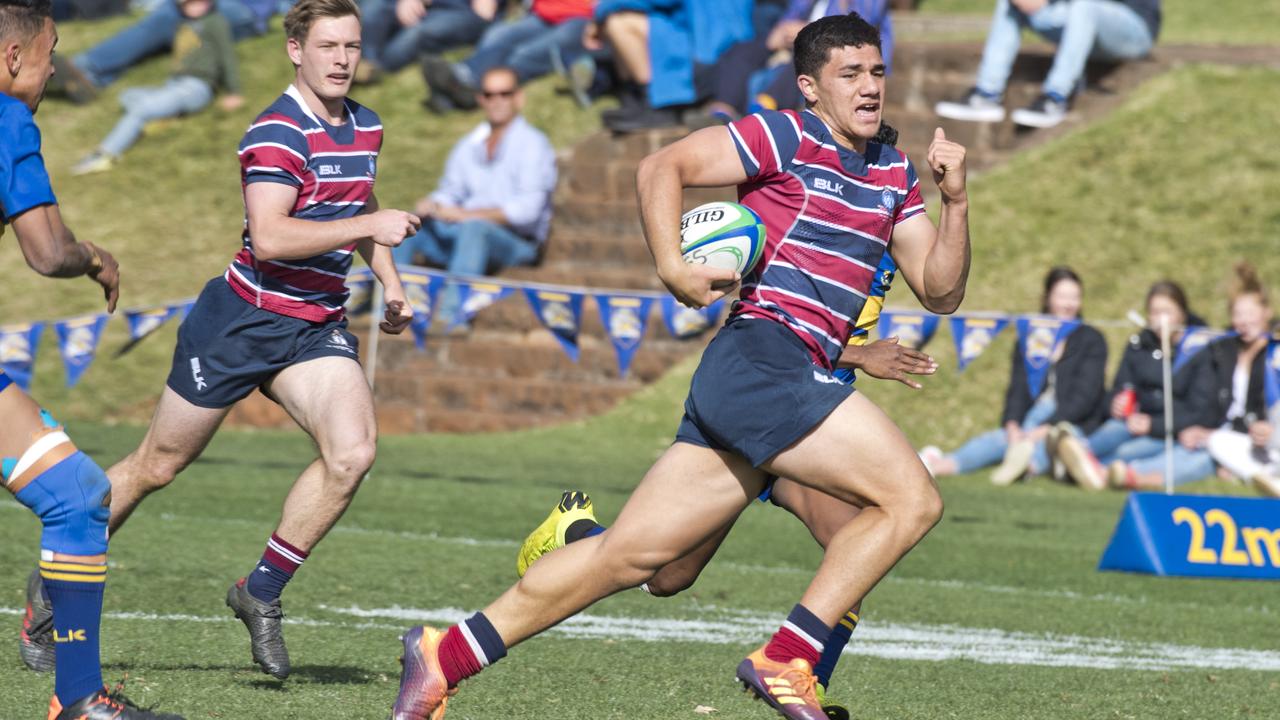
276	568
469	647
801	636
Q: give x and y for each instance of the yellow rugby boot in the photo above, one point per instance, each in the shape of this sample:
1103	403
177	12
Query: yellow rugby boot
574	505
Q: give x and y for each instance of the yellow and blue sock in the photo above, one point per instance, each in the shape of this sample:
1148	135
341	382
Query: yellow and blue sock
75	591
835	644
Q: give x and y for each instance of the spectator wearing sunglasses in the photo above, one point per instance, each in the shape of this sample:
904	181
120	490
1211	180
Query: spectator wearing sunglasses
492	209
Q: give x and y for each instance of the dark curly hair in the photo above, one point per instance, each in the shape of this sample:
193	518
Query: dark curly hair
816	41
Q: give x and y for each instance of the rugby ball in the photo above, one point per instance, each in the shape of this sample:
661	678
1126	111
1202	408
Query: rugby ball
723	235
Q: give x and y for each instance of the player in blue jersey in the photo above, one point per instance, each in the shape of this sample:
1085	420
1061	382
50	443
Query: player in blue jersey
275	320
39	463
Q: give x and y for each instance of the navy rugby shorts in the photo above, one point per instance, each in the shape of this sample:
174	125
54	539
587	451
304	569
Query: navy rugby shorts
227	347
757	391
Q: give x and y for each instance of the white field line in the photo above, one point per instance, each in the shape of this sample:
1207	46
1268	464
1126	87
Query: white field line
891	641
894	641
347	528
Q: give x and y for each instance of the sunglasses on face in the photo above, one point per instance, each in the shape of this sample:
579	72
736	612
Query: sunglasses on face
490	94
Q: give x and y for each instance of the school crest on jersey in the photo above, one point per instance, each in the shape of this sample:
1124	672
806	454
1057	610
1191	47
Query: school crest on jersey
888	200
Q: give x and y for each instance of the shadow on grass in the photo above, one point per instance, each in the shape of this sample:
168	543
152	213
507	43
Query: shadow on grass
320	675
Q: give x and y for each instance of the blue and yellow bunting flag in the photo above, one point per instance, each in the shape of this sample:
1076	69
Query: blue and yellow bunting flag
78	342
1194	339
359	293
421	289
686	322
913	329
18	344
973	335
625	319
144	322
1039	337
561	313
474	296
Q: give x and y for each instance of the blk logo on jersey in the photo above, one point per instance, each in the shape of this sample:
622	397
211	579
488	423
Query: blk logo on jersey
826	185
330	170
196	375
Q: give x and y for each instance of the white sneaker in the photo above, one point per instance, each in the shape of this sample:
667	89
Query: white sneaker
1045	112
1080	464
1267	484
1017	460
975	107
931	455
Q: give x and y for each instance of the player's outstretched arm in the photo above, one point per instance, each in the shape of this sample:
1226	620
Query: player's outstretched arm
51	249
278	236
935	261
706	158
886	359
397	312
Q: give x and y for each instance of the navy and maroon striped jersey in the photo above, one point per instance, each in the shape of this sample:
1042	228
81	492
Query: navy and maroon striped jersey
333	168
829	213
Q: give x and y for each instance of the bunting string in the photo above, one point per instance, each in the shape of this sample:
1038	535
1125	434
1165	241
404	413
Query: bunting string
458	299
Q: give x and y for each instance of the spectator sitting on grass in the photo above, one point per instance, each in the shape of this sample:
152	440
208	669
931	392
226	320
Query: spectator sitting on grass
551	31
1227	397
83	76
663	51
759	72
1135	429
204	58
1073	392
493	207
1110	30
396	33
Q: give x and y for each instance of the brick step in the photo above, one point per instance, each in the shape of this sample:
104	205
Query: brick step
588	274
601	248
515	315
529	354
440	393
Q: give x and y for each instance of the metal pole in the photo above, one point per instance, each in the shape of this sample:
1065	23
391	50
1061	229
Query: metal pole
1168	404
375	313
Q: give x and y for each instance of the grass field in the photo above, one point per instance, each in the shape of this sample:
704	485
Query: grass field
997	614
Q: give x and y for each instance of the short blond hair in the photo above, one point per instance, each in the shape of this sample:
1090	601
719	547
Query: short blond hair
298	22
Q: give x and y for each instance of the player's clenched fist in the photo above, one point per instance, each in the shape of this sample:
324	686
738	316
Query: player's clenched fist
106	272
391	227
397	317
946	159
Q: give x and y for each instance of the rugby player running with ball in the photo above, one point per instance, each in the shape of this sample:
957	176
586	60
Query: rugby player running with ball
764	401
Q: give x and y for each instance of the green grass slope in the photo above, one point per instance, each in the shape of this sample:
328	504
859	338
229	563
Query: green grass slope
1231	22
433	534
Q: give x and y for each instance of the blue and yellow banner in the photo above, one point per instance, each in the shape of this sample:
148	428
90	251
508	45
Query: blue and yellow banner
359	292
625	319
913	329
144	322
1040	337
973	335
474	296
1197	536
561	313
686	322
421	289
18	345
78	342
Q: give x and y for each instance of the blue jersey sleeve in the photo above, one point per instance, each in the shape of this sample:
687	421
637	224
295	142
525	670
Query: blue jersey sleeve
24	182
